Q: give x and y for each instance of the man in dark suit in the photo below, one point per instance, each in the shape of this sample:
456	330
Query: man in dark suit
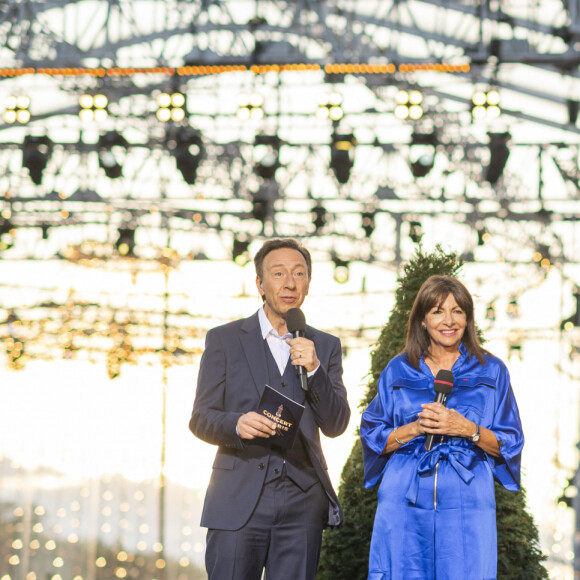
265	508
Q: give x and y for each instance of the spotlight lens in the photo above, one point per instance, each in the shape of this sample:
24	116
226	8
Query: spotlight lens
256	100
478	98
336	113
86	101
415	112
243	113
164	100
86	115
177	114
23	102
257	114
322	113
478	112
494	112
100	115
163	115
415	97
401	112
493	98
23	117
341	274
100	101
11	102
177	100
10	116
402	97
335	99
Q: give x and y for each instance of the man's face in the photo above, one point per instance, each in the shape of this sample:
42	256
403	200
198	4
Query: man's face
285	281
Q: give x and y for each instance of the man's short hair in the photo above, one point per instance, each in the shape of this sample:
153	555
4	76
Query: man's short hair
277	244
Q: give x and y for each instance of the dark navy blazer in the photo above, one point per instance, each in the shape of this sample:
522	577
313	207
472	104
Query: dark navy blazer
232	375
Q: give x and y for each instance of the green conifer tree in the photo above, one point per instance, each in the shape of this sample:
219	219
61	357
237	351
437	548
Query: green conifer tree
345	550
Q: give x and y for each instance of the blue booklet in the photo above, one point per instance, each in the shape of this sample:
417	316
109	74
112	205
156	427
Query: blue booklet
283	411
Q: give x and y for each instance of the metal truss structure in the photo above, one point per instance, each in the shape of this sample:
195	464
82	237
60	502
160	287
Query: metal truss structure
355	186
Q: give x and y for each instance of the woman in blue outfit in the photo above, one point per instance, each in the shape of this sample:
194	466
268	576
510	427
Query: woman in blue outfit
436	509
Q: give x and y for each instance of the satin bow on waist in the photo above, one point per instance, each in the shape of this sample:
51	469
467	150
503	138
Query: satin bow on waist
462	459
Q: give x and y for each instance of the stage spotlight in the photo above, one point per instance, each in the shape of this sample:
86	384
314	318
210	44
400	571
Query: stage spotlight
422	165
422	153
513	308
240	254
188	151
108	144
330	107
342	156
574	320
250	107
409	105
542	257
318	217
17	109
262	205
35	155
341	269
93	107
125	243
482	235
498	156
485	105
171	107
415	231
267	151
368	222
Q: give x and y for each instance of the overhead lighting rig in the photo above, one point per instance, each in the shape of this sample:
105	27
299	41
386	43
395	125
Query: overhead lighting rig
171	107
93	107
17	109
408	104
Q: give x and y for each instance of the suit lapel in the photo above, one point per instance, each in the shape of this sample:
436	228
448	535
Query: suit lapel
253	347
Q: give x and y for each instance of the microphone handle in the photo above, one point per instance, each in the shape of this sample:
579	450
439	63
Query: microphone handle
440	398
300	370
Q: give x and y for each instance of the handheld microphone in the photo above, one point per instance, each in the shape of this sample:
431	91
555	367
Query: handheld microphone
296	323
443	385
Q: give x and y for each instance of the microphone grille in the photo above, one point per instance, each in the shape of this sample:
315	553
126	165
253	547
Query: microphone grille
443	382
295	320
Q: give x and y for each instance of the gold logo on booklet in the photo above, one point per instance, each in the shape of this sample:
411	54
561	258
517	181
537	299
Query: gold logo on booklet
281	425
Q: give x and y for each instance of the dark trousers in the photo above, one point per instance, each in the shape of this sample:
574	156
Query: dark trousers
283	536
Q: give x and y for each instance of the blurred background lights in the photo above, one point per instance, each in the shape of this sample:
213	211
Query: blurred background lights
485	104
17	109
93	107
330	107
171	107
408	104
250	107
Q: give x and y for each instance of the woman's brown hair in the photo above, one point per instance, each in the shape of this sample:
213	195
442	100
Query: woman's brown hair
434	292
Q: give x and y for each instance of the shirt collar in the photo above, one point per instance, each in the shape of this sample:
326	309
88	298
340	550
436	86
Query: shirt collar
266	326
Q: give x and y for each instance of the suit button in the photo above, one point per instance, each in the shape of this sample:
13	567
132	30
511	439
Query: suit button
261	466
276	471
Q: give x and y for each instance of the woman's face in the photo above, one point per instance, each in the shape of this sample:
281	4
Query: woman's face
446	324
